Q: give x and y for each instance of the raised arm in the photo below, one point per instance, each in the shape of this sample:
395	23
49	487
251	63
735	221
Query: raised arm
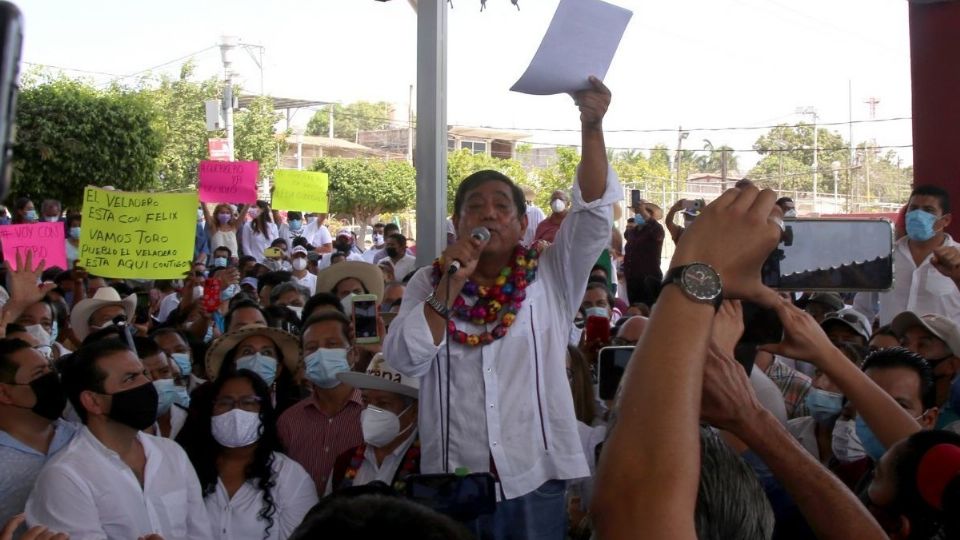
593	105
671	224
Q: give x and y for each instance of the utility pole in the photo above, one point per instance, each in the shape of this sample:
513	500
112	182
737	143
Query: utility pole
410	127
227	46
330	122
872	103
812	112
681	135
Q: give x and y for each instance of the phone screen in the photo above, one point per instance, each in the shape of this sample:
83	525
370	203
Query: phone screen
365	320
634	197
832	255
613	362
142	313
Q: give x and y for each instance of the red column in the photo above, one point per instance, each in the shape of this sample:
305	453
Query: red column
935	61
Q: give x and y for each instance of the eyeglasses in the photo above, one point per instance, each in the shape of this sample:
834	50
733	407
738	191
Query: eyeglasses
247	403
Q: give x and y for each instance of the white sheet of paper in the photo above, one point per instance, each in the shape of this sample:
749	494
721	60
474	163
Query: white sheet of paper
580	41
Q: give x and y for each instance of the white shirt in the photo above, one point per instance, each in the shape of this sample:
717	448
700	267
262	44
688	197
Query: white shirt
254	244
238	518
406	264
534	216
289	236
324	260
317	234
804	431
920	289
169	303
369	471
88	492
309	281
510	399
369	254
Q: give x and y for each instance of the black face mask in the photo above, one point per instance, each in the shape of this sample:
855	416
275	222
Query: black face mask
392	252
50	396
136	407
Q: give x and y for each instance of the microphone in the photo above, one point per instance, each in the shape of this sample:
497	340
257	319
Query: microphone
480	233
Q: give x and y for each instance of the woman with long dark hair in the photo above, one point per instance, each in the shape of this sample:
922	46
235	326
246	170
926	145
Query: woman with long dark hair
223	227
24	211
251	491
259	232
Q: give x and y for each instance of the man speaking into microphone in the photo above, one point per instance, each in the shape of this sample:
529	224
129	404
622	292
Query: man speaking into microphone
488	339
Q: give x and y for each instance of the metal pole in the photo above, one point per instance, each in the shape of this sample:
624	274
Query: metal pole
816	162
227	46
410	127
330	122
432	132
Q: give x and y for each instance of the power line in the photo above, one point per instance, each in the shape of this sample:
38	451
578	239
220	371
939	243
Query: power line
61	68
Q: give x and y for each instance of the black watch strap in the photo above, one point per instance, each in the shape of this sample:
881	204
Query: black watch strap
674	276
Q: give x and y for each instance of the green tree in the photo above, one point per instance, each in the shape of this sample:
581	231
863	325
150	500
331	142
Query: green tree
70	134
794	145
256	136
364	188
350	119
462	163
712	160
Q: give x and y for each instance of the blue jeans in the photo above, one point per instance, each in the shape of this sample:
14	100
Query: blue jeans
538	515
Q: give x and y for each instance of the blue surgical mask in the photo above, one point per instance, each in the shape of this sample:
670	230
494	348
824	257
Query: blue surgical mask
229	292
639	219
920	225
183	362
220	262
31	215
870	443
75	233
264	366
169	393
824	406
54	331
323	365
597	311
295	224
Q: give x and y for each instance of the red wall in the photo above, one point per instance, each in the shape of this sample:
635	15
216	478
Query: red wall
935	60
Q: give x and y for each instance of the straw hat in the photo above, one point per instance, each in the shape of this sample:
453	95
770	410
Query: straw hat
380	376
288	344
105	296
366	273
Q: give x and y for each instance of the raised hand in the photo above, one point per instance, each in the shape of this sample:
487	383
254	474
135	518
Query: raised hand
728	399
803	338
728	326
946	259
24	290
593	103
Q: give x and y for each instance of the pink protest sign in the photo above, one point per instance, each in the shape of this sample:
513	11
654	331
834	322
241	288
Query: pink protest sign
229	181
45	240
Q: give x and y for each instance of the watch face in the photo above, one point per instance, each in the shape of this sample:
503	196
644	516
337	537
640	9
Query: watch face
701	281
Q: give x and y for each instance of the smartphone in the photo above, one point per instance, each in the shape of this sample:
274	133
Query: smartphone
273	253
635	198
211	295
597	328
461	497
840	255
11	41
365	318
613	362
142	312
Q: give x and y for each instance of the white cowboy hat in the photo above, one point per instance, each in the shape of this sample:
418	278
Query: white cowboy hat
105	296
368	274
380	376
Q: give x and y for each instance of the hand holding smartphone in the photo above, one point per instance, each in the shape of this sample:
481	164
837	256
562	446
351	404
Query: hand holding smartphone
365	325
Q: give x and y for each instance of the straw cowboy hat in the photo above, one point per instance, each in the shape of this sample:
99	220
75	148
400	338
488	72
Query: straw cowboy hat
380	376
366	273
105	296
288	344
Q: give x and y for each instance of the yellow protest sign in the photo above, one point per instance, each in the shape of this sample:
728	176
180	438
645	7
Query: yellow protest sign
137	235
299	190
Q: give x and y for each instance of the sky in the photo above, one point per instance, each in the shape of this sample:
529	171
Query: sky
690	63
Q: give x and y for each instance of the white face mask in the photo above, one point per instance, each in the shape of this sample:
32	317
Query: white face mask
347	303
377	239
845	444
380	427
297	309
557	205
236	428
299	264
575	335
198	293
51	219
790	214
40	334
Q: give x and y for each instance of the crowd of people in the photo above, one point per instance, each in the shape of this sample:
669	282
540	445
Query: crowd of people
465	404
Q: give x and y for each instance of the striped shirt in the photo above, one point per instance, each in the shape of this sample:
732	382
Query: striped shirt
314	440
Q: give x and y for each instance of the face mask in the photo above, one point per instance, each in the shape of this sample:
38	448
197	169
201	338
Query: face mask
39	334
597	312
377	239
166	393
264	366
136	407
639	219
380	426
223	218
558	205
575	335
183	363
392	252
254	213
51	219
845	444
299	264
220	262
297	309
790	214
295	224
920	225
236	428
31	215
197	292
54	332
311	219
229	292
824	406
49	395
323	365
208	337
75	233
871	444
199	215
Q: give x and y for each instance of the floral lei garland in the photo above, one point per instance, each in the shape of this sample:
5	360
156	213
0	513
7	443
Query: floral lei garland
506	296
408	467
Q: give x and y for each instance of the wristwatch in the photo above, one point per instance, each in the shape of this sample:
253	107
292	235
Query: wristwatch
699	281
